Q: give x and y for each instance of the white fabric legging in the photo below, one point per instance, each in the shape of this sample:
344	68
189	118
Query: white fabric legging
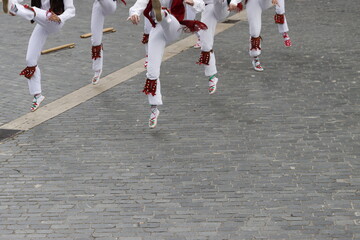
101	8
254	9
147	29
212	14
42	30
165	32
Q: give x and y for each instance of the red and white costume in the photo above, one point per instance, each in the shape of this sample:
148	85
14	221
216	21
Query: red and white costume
215	11
42	30
254	9
101	8
145	40
162	33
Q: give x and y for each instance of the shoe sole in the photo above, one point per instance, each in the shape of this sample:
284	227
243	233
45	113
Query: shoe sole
37	106
98	79
95	82
5	6
211	93
157	9
256	69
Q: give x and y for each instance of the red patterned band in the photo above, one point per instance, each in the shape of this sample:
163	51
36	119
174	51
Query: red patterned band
279	18
145	39
150	87
28	72
96	51
204	57
255	43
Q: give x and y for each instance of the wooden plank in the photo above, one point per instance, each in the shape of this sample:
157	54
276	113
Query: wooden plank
106	30
70	45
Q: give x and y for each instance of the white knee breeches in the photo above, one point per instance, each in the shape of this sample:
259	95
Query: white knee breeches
167	31
101	8
211	15
42	30
280	9
254	9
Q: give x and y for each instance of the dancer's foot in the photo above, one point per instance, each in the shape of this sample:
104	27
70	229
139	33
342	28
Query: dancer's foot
287	40
157	9
96	79
38	98
213	80
197	44
146	61
153	117
256	65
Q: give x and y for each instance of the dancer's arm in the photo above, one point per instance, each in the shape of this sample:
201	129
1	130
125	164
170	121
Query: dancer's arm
138	8
197	5
69	11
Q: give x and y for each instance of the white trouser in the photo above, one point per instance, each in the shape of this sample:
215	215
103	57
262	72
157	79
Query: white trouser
280	9
42	30
147	29
190	14
254	9
212	14
165	32
101	8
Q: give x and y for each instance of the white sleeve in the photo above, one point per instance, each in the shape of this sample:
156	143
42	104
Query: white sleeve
69	11
138	8
235	2
199	6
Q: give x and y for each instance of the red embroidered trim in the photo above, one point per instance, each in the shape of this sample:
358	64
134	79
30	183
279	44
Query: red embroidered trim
193	26
96	51
28	72
145	39
204	57
279	18
30	8
255	43
150	87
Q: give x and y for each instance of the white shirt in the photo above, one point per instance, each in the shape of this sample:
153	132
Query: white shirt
69	9
140	5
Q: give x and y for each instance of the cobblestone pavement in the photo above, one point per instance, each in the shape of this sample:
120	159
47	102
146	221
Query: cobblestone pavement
271	155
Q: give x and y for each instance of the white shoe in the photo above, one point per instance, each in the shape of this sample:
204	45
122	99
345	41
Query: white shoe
256	65
36	102
287	40
153	117
96	79
146	61
197	44
212	84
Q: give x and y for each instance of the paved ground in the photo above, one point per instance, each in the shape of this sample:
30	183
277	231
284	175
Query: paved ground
272	155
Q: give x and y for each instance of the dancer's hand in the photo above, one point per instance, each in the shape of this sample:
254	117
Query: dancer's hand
54	18
189	2
275	2
135	19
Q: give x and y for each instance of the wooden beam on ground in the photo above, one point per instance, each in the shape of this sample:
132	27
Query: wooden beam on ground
70	45
106	30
